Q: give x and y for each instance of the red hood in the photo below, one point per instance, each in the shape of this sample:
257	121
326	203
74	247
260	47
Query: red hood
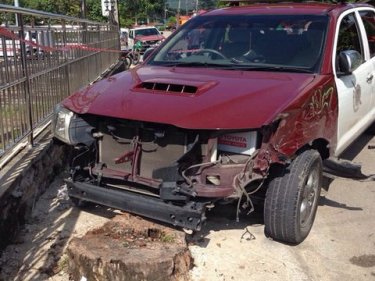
149	38
225	99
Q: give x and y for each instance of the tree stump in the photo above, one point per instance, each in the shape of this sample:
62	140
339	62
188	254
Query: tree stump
130	248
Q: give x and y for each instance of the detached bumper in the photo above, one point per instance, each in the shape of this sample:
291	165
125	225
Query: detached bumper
191	215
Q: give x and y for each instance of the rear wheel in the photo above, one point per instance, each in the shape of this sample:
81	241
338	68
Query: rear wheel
292	198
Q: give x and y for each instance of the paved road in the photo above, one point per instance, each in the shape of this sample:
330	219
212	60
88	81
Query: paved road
341	245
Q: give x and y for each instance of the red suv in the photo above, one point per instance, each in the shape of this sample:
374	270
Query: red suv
239	102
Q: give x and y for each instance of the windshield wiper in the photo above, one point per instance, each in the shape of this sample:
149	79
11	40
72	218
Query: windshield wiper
197	64
271	68
239	67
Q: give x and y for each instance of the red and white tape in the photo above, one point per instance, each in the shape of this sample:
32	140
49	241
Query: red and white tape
7	34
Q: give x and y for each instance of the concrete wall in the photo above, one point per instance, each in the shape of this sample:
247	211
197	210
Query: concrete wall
23	180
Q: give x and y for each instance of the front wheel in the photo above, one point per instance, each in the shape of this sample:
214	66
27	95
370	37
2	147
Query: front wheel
136	57
292	198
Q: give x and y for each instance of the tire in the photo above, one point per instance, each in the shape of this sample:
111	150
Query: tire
371	130
292	198
136	57
127	62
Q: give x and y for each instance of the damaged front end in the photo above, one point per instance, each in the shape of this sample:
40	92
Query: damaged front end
156	170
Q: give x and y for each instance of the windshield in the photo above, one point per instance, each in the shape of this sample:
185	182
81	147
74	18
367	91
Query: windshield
146	32
278	42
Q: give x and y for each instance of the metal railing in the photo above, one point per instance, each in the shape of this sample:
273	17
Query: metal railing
43	58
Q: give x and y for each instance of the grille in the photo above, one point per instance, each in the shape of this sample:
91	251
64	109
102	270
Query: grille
157	152
152	42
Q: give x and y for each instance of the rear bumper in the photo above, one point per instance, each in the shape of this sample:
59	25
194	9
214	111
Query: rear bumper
191	215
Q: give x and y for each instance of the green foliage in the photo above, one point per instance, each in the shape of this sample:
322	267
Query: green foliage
129	10
63	263
171	22
70	8
208	4
167	238
94	10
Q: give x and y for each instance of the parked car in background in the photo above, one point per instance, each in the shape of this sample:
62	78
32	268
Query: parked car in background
148	36
265	93
124	38
35	40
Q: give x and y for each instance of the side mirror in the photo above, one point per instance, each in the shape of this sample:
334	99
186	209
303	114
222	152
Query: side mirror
161	32
348	61
147	53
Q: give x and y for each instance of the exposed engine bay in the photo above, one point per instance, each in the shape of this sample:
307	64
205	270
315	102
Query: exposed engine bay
161	171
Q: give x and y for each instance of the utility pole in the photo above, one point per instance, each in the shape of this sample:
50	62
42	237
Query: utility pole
178	14
165	11
16	4
196	6
83	9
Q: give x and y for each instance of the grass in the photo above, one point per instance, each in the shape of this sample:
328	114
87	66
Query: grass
167	238
63	263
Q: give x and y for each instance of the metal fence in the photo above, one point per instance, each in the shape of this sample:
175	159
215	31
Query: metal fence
43	58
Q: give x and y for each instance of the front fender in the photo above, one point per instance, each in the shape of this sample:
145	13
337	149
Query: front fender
311	117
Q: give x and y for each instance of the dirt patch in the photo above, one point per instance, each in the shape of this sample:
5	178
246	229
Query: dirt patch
364	260
37	252
130	248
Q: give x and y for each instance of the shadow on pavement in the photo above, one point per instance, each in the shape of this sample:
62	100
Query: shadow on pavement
37	250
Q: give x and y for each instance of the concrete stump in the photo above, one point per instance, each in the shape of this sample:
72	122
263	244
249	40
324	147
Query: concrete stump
130	248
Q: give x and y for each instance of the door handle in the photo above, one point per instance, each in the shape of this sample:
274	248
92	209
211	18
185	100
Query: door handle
369	78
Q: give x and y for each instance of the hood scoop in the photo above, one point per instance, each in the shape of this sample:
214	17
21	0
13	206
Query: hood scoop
168	87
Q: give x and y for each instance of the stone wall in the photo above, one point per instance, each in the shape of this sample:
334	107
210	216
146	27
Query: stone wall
23	180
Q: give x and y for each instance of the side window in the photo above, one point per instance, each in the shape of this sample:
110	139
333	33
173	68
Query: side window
349	36
368	18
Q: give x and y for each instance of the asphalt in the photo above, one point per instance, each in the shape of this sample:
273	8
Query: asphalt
341	245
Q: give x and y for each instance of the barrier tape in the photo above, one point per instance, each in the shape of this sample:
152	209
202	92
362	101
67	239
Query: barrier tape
67	47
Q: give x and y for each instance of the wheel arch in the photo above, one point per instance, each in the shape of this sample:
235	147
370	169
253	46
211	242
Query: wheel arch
321	145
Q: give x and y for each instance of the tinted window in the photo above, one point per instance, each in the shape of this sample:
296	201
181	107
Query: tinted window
368	18
285	42
146	32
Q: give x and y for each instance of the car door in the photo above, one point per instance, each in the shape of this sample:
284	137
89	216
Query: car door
368	20
354	90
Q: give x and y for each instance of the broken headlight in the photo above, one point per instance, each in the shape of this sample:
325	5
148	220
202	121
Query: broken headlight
62	118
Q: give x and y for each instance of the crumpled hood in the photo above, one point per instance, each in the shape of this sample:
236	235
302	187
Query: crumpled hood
225	99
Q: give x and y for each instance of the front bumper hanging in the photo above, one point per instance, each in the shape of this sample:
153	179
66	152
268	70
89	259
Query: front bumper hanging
191	215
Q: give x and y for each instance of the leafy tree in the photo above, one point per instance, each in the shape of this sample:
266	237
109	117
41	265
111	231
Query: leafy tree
70	8
94	10
130	11
208	4
141	9
171	22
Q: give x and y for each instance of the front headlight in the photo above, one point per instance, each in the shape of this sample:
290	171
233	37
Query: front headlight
61	122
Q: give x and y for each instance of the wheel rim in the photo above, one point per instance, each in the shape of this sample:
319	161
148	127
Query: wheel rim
309	197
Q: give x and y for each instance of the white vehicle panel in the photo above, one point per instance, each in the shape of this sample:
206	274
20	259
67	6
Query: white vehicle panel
355	96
